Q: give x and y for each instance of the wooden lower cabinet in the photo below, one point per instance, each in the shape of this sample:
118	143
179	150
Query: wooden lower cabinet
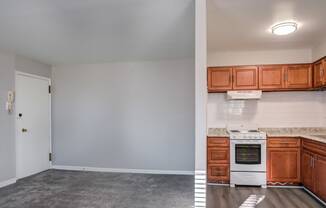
320	174
306	167
218	160
284	165
314	167
283	161
290	161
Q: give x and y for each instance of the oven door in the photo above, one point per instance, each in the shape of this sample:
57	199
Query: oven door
248	155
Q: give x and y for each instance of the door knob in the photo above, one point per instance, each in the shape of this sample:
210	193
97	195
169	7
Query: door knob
24	130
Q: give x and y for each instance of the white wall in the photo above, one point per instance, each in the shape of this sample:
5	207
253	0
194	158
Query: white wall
31	66
201	84
138	115
227	58
7	132
319	50
275	109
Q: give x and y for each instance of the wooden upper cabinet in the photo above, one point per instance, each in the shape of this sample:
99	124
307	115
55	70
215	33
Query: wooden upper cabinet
267	77
245	78
319	73
320	173
271	77
219	79
298	76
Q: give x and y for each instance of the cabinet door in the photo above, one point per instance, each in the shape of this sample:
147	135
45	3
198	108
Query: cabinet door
218	155
319	74
219	79
271	77
298	76
320	176
245	78
218	172
307	171
284	165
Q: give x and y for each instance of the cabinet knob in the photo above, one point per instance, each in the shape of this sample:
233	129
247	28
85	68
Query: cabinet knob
24	130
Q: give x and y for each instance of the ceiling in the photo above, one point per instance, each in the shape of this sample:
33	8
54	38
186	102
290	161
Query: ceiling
90	31
245	24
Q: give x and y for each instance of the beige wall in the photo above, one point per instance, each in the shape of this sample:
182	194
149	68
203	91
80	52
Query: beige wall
259	57
319	50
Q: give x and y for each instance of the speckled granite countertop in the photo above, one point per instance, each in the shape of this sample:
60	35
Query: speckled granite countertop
317	134
217	132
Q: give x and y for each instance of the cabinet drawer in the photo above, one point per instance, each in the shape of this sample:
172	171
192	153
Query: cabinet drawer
283	142
220	172
218	142
218	155
314	146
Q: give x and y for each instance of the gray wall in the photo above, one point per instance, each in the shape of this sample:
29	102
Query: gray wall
125	115
31	66
7	132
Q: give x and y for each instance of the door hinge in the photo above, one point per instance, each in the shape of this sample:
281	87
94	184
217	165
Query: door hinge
50	156
49	89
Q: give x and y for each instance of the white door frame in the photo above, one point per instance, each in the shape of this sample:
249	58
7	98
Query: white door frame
50	116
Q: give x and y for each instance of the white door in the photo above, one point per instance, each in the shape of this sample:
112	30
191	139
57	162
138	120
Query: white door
32	125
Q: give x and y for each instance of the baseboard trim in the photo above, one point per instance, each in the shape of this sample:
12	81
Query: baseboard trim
7	182
117	170
316	197
218	184
288	187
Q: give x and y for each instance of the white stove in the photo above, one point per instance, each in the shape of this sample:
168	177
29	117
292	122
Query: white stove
247	157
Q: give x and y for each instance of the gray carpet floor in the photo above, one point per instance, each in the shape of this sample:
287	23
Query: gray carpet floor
74	189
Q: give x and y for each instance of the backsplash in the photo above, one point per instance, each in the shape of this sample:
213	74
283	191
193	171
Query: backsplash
275	109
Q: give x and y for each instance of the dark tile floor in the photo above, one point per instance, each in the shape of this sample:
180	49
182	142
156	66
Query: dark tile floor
65	189
221	196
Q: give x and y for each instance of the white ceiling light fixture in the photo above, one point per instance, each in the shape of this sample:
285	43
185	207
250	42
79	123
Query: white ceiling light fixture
284	28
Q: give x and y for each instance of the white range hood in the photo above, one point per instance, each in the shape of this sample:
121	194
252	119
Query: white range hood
244	95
